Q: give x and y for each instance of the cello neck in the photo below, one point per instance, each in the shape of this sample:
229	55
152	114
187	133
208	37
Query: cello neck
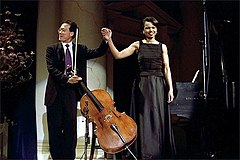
92	97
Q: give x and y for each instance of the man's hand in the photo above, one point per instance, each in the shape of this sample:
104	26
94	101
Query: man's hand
74	79
106	33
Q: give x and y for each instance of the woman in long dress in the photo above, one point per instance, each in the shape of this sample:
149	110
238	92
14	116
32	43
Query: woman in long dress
151	92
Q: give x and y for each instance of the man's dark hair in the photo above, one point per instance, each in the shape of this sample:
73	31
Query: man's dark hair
153	20
73	27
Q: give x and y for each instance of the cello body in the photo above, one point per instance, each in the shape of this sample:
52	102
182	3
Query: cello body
103	114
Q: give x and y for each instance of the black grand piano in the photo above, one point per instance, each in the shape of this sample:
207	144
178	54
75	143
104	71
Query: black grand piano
186	117
188	100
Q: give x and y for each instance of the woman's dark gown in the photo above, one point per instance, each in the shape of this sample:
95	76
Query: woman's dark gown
149	106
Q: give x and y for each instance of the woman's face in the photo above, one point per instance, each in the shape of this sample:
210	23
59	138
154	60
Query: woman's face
149	30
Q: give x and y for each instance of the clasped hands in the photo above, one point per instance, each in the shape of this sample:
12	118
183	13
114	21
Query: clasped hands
106	33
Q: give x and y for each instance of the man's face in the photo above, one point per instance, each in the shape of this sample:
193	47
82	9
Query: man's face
64	34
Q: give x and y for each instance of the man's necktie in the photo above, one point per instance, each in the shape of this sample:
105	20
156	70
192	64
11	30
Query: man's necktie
68	59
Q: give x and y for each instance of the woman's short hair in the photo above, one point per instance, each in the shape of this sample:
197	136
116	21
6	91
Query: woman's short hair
153	20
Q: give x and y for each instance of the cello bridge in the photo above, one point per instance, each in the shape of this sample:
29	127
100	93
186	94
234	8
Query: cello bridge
107	117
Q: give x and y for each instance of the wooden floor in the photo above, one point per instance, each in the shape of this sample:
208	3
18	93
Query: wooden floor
43	151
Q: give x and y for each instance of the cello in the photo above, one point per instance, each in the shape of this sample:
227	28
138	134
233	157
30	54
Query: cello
115	131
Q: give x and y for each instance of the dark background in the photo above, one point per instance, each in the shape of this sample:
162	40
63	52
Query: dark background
18	104
215	134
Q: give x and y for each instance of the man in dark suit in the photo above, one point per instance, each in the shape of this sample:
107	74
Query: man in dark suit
63	91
